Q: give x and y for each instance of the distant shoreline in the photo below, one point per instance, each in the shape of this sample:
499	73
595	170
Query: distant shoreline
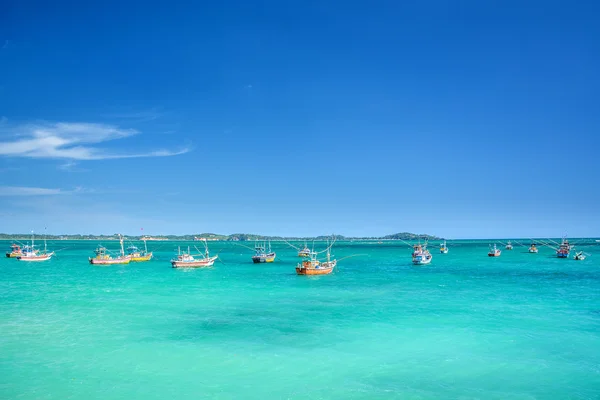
237	237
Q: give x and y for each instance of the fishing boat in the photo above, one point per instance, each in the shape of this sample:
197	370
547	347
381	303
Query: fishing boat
188	260
509	246
31	254
103	257
563	249
139	255
313	266
533	248
579	256
305	252
444	248
15	251
421	255
494	251
263	255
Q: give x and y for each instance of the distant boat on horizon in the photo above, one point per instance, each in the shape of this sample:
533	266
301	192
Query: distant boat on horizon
305	252
564	249
444	248
509	245
533	248
494	251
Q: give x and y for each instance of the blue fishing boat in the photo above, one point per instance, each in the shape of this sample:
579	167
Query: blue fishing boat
563	249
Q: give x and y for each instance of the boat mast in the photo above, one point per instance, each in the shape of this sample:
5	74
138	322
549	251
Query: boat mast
45	246
122	248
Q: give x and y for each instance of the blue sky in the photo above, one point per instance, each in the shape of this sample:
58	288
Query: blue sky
468	119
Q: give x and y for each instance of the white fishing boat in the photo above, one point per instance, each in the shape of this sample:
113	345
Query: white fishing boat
421	255
32	255
509	246
189	260
494	251
533	248
579	256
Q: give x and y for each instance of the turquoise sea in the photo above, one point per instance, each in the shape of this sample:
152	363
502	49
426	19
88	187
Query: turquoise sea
521	326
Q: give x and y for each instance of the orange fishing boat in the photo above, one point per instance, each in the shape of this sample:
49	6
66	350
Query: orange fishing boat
313	266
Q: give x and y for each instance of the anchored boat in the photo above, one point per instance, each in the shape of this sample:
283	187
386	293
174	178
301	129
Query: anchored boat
579	256
444	248
263	255
509	246
533	248
563	249
313	266
15	251
421	255
305	252
31	254
494	251
103	257
139	255
188	260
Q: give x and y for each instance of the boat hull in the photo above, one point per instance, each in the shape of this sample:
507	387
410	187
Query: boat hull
316	268
562	255
493	254
423	261
444	251
147	257
13	255
35	258
268	258
114	261
313	271
194	264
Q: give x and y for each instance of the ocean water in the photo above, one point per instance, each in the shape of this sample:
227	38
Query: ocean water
521	326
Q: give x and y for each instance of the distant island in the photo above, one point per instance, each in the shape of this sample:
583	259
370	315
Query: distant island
236	237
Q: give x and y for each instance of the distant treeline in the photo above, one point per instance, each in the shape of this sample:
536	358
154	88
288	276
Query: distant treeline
241	237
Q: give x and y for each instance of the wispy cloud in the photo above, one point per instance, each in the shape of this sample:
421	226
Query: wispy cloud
137	116
28	191
73	141
37	191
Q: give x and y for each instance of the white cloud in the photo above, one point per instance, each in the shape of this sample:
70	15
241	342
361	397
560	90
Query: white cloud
37	191
72	141
28	191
